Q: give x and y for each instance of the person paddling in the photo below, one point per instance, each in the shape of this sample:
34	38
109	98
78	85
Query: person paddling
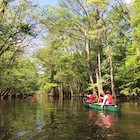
91	97
107	98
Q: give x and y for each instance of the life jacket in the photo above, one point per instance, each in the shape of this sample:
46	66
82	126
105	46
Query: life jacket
91	98
109	99
100	100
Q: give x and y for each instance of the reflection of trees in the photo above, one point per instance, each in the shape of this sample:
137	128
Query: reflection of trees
67	123
60	123
17	119
5	133
60	103
51	119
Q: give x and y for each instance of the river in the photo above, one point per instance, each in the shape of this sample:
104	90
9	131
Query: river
43	118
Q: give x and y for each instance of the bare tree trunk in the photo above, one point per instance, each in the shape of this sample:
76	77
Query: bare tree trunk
111	76
88	62
97	80
99	87
71	90
98	73
108	54
98	70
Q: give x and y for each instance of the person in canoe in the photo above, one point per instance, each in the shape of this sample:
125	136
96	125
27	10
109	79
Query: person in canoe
107	98
100	99
91	97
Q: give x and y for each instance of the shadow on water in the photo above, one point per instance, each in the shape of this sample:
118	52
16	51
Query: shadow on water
43	118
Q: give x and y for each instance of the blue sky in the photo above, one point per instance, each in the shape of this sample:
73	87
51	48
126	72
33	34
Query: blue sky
47	2
54	2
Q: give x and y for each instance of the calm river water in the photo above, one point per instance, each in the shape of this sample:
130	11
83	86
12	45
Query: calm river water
44	118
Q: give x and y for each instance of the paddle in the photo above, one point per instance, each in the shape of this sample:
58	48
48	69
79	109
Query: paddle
102	106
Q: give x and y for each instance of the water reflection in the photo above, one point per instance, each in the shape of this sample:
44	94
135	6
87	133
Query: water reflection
45	118
30	100
103	124
105	120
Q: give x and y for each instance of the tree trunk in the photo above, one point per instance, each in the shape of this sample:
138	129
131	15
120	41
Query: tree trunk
99	80
111	77
98	70
100	85
88	62
71	90
108	54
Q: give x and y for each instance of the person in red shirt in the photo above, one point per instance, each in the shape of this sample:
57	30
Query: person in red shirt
91	98
107	98
100	99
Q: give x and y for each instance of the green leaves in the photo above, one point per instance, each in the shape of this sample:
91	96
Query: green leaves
17	28
132	60
77	33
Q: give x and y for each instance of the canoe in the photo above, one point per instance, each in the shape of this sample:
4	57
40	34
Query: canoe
114	107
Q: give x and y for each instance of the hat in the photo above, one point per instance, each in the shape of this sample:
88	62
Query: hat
108	92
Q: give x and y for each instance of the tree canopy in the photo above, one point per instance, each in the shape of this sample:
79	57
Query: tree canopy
88	44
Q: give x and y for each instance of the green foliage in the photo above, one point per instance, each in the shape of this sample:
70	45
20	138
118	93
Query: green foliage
17	28
21	78
131	69
48	87
67	24
64	61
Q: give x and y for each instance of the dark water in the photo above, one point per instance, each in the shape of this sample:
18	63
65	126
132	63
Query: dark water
43	118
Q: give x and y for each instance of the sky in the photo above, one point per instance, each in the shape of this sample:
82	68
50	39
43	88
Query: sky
55	2
128	1
47	2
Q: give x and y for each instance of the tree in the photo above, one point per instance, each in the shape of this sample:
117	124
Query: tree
99	30
131	69
17	29
20	79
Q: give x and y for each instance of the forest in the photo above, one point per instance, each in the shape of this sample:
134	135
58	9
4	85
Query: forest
69	49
